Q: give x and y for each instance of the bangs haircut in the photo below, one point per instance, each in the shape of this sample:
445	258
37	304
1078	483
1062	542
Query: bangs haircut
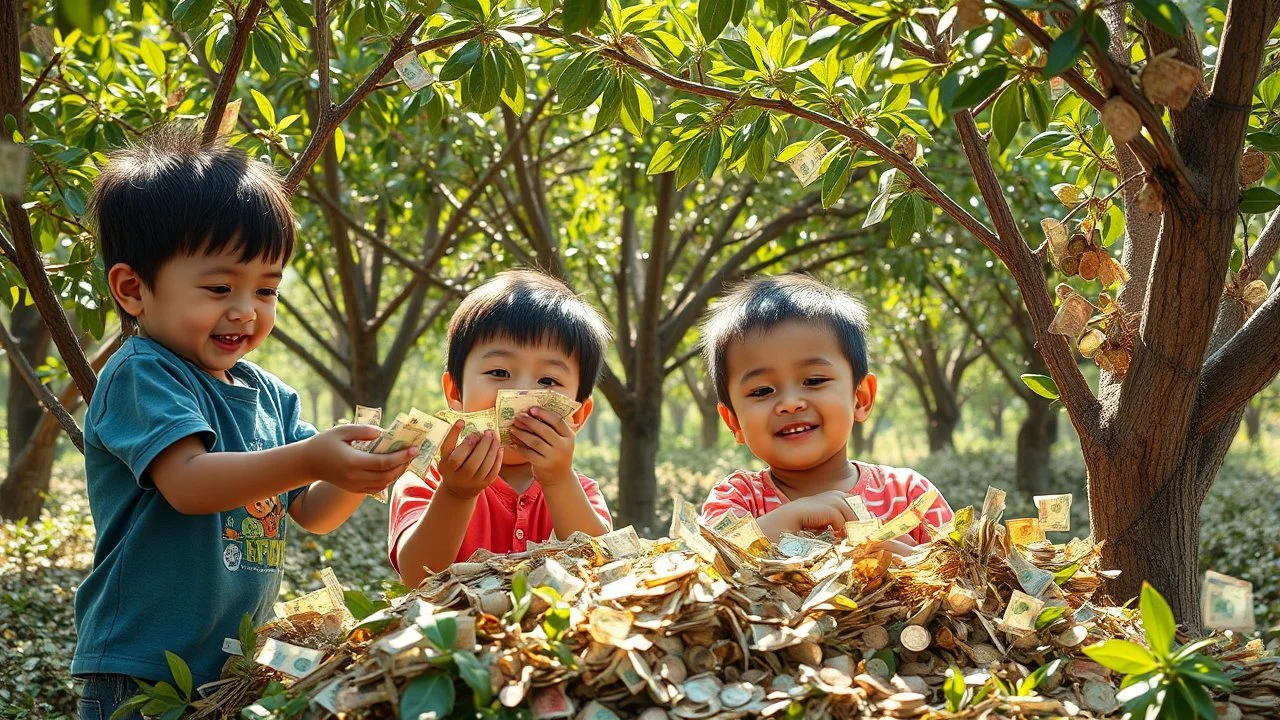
529	308
763	303
167	195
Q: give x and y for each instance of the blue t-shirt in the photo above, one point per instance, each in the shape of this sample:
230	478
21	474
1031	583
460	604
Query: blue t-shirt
162	580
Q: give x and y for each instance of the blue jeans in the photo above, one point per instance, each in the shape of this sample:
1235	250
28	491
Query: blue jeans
100	695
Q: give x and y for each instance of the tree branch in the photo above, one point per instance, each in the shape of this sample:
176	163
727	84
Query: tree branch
18	361
312	332
343	389
1241	368
227	82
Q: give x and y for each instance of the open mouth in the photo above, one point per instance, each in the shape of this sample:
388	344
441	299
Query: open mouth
796	430
229	343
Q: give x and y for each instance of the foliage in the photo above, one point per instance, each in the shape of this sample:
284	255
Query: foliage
1161	680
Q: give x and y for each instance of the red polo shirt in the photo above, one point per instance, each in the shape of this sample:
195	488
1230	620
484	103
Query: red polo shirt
503	522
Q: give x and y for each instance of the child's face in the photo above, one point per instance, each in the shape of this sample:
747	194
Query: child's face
794	396
500	363
209	309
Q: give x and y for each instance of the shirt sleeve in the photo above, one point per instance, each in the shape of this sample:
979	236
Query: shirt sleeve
135	396
596	498
410	497
733	494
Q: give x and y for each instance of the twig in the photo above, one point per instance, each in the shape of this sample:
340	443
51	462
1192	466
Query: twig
227	82
43	394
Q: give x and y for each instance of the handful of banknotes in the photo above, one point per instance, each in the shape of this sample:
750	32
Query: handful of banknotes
427	432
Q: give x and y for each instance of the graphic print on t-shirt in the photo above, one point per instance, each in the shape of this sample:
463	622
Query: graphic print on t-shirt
252	536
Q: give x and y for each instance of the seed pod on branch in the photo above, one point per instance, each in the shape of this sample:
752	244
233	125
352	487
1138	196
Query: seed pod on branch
1170	82
1252	166
1121	120
969	15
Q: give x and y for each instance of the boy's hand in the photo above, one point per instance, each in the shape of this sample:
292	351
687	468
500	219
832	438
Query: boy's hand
820	511
468	467
330	457
547	441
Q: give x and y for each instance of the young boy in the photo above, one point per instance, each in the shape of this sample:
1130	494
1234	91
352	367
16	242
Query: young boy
193	456
521	330
788	356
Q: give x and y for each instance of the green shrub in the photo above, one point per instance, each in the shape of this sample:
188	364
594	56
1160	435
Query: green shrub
1240	528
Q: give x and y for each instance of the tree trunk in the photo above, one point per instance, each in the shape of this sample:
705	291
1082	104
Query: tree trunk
1253	422
710	436
637	460
1159	543
997	419
940	427
1035	443
679	413
30	457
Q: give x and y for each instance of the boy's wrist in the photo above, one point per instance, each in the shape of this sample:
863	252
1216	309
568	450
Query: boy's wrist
556	478
458	493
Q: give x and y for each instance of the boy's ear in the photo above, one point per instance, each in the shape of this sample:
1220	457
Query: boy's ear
731	422
579	417
452	391
864	397
126	287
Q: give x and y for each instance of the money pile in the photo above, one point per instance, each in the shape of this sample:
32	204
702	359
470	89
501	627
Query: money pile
716	621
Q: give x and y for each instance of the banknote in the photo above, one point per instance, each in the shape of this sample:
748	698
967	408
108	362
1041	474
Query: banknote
808	164
1055	512
622	543
289	659
1022	611
907	520
1033	580
1024	531
859	530
993	504
1227	603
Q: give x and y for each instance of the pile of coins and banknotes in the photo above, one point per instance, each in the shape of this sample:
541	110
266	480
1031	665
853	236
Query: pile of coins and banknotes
717	621
427	432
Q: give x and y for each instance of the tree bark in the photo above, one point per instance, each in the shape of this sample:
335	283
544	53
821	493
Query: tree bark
1253	423
637	465
710	433
941	429
997	419
679	413
1035	443
31	454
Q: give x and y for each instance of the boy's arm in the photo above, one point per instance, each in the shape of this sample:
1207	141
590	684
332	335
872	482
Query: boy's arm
548	441
816	512
571	510
467	468
433	540
323	506
197	482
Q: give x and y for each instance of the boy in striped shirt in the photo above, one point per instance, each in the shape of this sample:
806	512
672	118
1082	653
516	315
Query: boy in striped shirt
788	356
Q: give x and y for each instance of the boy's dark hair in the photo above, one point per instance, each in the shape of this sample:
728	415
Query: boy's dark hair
765	302
167	195
529	307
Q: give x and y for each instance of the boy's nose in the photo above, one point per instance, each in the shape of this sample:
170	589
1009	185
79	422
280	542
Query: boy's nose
793	404
241	314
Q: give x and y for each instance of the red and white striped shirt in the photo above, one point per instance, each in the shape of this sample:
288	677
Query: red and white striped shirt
886	491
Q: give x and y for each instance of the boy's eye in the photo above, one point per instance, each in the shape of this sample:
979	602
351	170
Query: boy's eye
548	381
269	292
499	373
218	289
814	381
760	392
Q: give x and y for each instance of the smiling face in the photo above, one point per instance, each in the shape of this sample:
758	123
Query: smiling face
795	398
210	309
500	363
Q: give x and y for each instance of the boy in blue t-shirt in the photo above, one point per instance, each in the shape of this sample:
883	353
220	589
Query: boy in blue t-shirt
194	456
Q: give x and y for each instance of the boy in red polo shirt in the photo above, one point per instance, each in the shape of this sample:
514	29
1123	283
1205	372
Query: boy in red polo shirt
522	330
789	359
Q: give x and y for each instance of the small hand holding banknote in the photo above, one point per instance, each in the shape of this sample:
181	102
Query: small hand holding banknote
334	456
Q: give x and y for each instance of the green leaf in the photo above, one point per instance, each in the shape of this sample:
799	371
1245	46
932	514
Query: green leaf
427	696
1126	658
1006	116
264	107
462	60
902	220
1164	14
976	90
581	14
1049	616
181	673
1065	51
1042	385
1066	573
152	56
191	14
954	689
909	71
360	605
1157	620
1046	142
475	675
836	179
713	16
1262	140
1259	200
711	156
1196	697
1036	103
130	706
298	12
267	52
1237	259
